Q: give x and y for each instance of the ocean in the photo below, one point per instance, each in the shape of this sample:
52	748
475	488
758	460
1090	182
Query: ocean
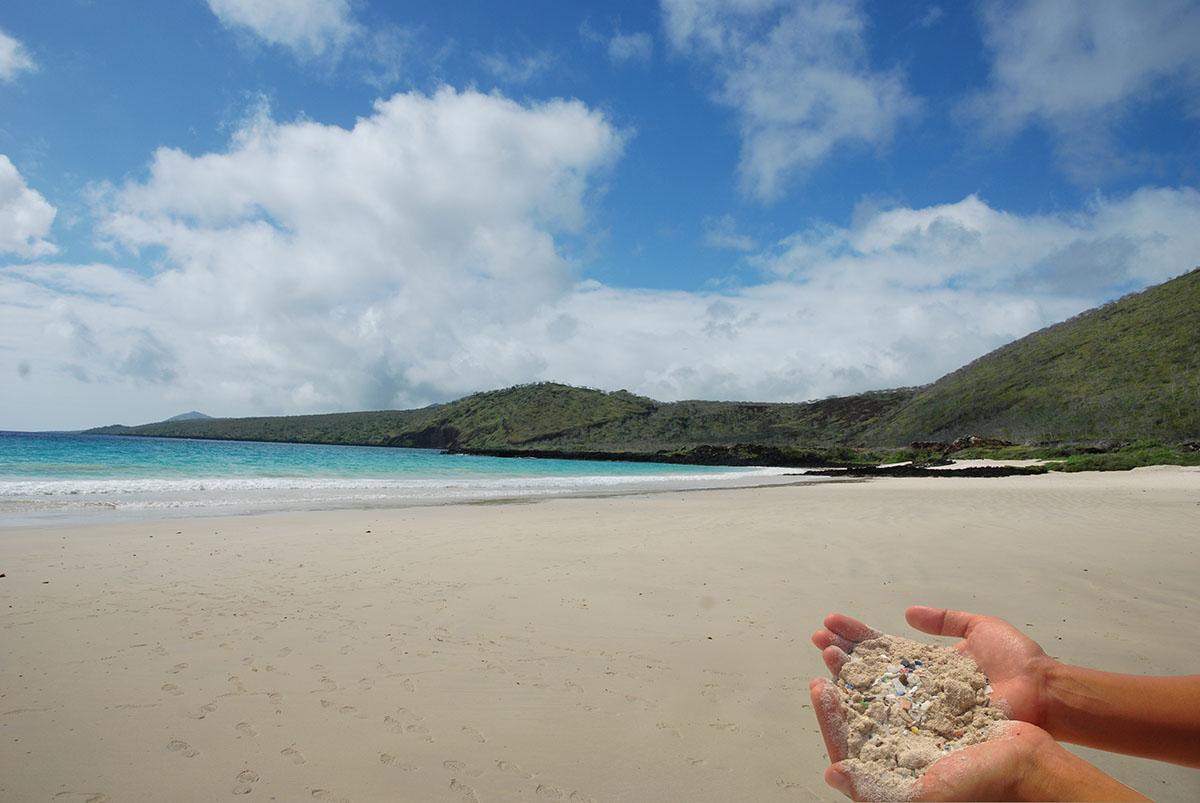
73	476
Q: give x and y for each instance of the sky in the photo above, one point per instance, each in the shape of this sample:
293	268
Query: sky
271	207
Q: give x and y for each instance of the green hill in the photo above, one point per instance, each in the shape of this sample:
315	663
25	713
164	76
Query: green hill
1127	370
550	416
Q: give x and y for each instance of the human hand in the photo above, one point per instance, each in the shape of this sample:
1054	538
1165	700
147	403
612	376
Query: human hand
1010	765
1014	663
1019	760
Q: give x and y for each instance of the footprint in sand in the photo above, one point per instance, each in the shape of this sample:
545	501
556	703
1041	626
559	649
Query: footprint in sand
275	697
86	797
180	746
419	731
328	684
347	710
284	653
245	782
325	794
552	792
666	726
246	729
514	769
293	754
407	721
366	684
466	792
473	734
171	688
388	760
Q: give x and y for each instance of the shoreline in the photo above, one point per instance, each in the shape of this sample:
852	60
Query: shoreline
633	647
97	508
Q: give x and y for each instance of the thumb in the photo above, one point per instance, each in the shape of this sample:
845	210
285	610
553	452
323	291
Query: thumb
841	780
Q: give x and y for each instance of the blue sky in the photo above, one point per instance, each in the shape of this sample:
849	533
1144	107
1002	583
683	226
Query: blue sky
281	206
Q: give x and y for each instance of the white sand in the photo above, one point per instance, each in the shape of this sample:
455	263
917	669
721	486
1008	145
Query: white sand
640	648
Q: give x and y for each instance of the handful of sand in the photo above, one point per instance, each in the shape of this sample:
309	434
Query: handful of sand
907	704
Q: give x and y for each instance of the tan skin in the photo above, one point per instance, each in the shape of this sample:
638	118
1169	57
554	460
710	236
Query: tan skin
1151	717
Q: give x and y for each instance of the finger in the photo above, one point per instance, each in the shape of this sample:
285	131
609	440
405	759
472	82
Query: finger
830	717
941	621
835	658
840	779
824	638
849	628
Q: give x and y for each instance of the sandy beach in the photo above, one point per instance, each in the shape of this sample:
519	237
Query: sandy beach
651	647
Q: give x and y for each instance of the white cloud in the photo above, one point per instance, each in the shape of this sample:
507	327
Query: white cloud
798	76
1141	239
418	256
315	267
25	216
626	48
1078	68
310	28
901	297
14	58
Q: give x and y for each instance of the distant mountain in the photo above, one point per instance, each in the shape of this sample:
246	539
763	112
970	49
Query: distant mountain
1127	370
550	416
191	415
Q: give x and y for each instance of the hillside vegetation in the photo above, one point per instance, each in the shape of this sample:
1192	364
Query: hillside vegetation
550	416
1127	371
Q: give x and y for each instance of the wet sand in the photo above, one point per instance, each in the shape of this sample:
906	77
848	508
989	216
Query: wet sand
633	648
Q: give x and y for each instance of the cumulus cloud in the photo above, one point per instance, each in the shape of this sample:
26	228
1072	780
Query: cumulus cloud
311	266
798	76
1110	245
1078	68
310	28
419	255
25	216
14	58
900	297
630	48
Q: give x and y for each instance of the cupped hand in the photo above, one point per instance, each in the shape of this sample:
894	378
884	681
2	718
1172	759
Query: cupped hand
1014	663
1019	761
1004	767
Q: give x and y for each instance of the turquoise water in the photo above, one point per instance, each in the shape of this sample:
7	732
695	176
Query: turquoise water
66	457
61	472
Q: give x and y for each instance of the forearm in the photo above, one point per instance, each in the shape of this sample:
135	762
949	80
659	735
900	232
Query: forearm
1153	717
1058	774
